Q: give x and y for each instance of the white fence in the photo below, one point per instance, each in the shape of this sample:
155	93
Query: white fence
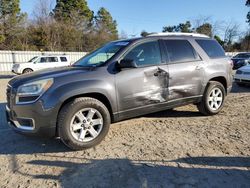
7	58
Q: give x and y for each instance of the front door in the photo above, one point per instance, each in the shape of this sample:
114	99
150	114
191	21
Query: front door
145	85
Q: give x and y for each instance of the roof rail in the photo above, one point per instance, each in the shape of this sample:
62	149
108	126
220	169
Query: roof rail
178	34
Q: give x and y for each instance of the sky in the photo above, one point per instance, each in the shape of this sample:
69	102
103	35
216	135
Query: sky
133	16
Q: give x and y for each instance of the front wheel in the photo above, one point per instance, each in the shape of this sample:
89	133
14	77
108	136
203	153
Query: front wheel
213	99
83	123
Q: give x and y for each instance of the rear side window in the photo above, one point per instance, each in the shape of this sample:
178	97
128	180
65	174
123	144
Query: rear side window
63	59
180	51
48	59
211	47
52	59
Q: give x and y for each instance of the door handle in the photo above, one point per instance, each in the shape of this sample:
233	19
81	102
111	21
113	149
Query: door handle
161	72
158	72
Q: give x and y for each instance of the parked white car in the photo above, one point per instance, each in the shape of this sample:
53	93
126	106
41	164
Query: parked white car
41	62
242	75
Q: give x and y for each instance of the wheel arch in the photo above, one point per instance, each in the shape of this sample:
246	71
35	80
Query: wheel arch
99	96
26	68
220	79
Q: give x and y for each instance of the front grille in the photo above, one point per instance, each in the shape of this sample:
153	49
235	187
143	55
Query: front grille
8	95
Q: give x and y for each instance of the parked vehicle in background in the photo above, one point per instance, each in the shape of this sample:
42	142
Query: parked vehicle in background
120	80
41	62
242	75
241	59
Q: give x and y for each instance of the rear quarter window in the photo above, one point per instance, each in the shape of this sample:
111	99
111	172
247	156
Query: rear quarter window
63	59
211	47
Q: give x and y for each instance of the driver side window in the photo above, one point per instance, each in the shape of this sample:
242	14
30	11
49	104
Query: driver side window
145	54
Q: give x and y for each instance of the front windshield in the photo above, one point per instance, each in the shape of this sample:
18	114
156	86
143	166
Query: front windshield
101	55
32	59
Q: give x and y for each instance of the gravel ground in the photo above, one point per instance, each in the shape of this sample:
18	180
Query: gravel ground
178	148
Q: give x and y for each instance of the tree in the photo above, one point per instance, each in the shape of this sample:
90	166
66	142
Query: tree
230	33
169	29
11	21
73	11
205	29
144	33
245	42
219	40
106	23
248	15
201	20
182	27
185	27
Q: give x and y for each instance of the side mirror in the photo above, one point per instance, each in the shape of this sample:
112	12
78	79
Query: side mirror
127	63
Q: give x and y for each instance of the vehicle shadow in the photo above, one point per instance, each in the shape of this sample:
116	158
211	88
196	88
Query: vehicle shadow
174	113
222	172
30	145
25	144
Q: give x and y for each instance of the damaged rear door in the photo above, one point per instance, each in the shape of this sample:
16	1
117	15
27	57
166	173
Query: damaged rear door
185	69
146	85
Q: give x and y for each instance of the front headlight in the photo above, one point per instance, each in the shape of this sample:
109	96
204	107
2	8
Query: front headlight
30	92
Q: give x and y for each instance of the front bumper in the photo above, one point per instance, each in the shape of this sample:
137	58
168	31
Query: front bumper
31	120
16	70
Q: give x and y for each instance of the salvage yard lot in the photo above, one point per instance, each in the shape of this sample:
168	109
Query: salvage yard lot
166	149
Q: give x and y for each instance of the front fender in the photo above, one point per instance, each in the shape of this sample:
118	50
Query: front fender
57	95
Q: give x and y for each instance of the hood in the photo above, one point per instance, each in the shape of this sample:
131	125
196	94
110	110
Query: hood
48	73
237	58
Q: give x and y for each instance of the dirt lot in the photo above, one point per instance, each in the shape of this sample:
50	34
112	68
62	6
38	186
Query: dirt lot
177	148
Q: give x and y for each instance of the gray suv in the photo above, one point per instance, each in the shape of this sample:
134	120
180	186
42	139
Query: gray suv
121	80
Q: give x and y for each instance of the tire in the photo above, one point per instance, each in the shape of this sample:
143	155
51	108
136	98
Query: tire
26	71
71	115
207	105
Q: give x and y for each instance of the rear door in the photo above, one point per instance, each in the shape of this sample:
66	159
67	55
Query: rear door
52	62
185	69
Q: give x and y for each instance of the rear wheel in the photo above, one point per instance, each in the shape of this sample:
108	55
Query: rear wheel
83	123
26	71
213	99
